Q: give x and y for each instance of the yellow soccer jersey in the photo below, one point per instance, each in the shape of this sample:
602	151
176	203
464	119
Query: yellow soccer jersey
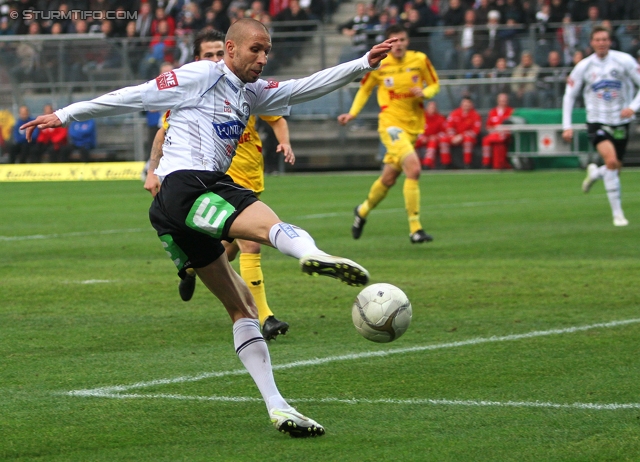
247	167
165	122
394	79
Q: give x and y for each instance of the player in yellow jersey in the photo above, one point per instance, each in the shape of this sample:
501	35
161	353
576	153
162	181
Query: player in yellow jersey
247	170
404	79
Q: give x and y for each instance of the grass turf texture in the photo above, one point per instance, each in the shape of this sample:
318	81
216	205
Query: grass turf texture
94	303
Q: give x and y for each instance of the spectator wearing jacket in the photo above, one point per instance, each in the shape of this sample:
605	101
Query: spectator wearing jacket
51	141
82	137
21	151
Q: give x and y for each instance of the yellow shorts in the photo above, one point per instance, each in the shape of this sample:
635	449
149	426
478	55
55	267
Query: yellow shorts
399	145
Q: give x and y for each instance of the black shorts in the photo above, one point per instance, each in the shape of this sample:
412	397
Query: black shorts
618	135
193	212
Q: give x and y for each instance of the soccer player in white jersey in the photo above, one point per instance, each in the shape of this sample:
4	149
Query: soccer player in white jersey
609	79
199	205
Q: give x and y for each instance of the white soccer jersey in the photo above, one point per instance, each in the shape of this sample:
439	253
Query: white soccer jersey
609	86
210	107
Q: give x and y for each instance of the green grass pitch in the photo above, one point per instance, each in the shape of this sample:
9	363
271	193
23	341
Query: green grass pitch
524	344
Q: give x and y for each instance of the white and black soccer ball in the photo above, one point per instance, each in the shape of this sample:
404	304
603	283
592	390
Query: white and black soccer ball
381	313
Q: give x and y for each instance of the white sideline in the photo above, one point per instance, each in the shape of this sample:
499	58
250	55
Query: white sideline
112	391
411	402
74	234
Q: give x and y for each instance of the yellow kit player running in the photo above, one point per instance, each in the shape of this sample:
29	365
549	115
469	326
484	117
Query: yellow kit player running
246	170
404	79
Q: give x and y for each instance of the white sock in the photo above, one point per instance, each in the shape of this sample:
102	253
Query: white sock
293	241
599	172
612	186
252	350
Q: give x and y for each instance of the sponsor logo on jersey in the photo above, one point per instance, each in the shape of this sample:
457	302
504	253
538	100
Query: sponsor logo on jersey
227	106
607	85
231	130
167	80
271	84
399	95
232	86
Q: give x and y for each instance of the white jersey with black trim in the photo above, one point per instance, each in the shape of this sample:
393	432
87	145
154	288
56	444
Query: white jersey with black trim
210	107
609	86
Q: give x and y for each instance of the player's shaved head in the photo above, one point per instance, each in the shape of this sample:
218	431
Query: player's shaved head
245	28
247	47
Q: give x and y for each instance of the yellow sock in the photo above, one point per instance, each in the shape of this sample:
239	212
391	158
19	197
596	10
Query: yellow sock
251	273
411	192
191	271
377	192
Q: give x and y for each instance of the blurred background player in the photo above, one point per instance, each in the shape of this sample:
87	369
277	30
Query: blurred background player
496	143
405	78
463	127
247	169
434	130
608	78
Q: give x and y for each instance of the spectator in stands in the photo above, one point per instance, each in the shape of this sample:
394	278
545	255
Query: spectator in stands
509	45
551	81
500	71
79	26
452	19
512	9
428	17
482	11
190	19
82	138
161	49
463	127
578	9
468	40
593	19
567	38
291	46
525	92
356	29
477	70
21	151
613	10
257	11
489	42
217	17
159	16
51	141
557	11
615	43
413	24
27	68
379	27
435	126
144	20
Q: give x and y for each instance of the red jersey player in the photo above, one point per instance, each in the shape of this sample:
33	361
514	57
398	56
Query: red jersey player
434	130
497	141
463	127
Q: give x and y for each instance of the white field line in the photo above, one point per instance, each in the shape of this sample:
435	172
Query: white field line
411	402
107	391
74	234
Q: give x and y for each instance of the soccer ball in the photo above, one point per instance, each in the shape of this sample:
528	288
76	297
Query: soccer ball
381	313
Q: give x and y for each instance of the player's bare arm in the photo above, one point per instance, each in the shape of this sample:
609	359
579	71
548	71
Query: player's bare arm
627	113
567	135
152	183
344	119
380	51
281	130
42	121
